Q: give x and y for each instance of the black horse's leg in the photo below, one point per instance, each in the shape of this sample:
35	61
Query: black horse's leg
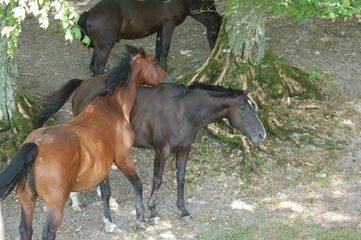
100	57
106	192
182	158
91	65
212	21
161	156
158	46
165	39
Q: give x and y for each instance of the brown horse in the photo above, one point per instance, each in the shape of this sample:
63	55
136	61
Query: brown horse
111	20
54	161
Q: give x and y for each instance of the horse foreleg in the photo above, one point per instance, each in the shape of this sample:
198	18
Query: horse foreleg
27	198
182	158
161	156
106	192
165	39
127	167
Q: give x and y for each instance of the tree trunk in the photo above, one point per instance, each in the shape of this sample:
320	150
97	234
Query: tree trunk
16	107
8	71
241	60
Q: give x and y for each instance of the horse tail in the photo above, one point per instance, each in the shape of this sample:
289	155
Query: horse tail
55	101
16	172
84	30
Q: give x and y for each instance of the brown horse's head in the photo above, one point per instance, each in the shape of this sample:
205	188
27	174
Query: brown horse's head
145	67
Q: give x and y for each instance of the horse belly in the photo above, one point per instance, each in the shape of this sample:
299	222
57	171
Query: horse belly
131	30
90	178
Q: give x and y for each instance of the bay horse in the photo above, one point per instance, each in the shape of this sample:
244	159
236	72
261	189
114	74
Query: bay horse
78	155
109	21
167	118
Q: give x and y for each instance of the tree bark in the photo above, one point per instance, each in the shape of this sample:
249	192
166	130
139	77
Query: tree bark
8	72
16	107
241	60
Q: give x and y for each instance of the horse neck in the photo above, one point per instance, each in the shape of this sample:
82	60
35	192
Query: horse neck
125	97
208	108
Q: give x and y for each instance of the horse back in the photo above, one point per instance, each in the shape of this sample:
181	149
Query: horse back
86	92
134	19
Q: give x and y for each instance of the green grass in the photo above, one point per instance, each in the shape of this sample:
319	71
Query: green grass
284	230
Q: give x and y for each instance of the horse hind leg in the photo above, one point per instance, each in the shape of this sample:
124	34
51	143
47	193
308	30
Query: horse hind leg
101	53
27	198
55	200
99	60
212	21
54	218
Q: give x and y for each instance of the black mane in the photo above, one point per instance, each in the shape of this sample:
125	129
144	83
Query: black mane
213	88
119	75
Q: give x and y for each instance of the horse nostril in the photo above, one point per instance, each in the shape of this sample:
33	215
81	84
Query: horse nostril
262	135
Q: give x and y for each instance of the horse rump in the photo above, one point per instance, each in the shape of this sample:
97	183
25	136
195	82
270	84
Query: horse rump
84	30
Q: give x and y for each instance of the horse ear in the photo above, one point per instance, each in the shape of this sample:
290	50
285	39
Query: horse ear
142	53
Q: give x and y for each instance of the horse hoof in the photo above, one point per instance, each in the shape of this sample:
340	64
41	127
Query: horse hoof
109	226
154	221
187	218
76	208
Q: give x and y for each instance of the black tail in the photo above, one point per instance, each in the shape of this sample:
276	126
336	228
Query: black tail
55	101
17	171
82	24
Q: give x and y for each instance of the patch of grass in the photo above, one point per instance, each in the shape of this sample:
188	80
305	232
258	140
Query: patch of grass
284	230
314	73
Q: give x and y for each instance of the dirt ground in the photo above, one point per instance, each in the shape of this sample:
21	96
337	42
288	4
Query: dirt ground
294	202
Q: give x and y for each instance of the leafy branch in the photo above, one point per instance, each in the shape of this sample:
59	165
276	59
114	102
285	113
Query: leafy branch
13	13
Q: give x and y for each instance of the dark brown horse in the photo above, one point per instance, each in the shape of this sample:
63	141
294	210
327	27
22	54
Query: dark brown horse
167	117
111	20
54	161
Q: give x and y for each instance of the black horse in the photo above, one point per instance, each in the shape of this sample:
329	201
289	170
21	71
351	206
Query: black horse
111	20
169	122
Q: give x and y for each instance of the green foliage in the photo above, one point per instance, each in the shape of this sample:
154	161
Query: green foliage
301	9
13	12
314	73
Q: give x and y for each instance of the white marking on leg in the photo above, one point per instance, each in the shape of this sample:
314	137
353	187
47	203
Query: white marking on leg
75	203
109	226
